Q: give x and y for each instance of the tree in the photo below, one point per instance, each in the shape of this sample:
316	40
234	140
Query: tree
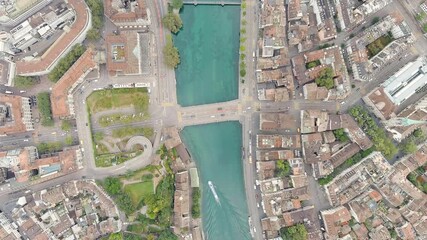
115	236
296	232
340	135
312	64
418	133
325	78
170	53
375	20
24	82
242	72
69	140
409	147
66	125
167	235
44	106
195	207
425	187
177	4
283	168
173	22
112	185
97	9
66	62
93	34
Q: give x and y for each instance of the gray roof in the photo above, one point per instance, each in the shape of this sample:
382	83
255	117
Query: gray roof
406	81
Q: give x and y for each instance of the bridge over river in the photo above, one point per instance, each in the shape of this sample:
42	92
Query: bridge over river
221	2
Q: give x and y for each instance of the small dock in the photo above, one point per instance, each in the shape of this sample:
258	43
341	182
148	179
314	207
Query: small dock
222	3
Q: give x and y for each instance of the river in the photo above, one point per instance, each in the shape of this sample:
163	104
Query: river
209	49
216	149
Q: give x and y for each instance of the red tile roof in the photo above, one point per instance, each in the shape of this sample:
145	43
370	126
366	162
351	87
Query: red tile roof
18	125
59	47
59	94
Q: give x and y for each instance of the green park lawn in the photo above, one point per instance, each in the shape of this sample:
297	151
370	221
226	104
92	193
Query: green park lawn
108	99
379	44
137	191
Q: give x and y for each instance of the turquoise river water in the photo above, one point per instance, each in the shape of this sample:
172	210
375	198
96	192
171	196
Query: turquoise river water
216	149
209	49
208	73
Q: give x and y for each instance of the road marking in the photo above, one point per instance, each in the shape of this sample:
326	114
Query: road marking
167	104
296	105
119	168
179	116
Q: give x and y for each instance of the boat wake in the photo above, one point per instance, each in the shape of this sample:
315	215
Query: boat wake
212	187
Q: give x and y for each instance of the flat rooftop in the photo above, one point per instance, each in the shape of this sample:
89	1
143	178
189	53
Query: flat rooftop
124	53
60	46
125	10
405	82
16	105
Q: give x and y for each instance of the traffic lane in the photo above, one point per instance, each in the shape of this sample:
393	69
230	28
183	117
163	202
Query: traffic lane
249	177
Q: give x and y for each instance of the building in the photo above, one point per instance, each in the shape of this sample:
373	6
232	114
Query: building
307	67
274	121
423	6
364	63
336	221
405	82
15	114
7	72
413	113
128	14
274	155
76	33
128	53
396	89
25	164
74	210
62	92
320	121
8	230
278	141
181	206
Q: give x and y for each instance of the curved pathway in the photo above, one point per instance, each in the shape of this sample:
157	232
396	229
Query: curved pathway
137	162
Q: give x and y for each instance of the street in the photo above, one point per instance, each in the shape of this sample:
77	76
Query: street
165	111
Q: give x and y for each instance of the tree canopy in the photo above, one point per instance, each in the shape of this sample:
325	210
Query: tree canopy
283	168
296	232
177	4
340	135
66	125
409	147
173	22
112	185
170	53
381	142
25	82
195	208
66	62
167	235
326	78
44	106
97	9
